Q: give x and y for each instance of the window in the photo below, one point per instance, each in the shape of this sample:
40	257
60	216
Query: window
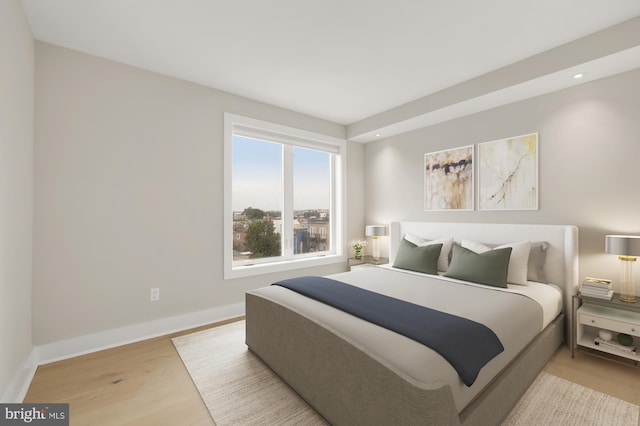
283	197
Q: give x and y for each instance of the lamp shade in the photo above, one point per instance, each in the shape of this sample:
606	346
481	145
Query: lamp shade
624	245
375	230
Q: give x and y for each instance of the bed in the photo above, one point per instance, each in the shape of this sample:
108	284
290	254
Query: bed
355	372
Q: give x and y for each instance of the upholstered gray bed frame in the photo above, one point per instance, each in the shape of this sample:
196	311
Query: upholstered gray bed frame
349	386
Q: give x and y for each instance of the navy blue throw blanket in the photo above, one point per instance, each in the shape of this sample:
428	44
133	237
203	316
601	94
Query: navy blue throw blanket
466	345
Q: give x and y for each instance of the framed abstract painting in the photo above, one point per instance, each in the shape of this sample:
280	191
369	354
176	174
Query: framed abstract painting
448	179
508	173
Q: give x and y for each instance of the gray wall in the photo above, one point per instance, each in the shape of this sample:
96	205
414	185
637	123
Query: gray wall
589	153
129	194
16	189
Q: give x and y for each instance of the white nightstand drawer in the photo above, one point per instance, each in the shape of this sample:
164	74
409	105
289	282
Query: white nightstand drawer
608	324
591	316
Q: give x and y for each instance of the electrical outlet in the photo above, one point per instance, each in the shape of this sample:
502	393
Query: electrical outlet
154	294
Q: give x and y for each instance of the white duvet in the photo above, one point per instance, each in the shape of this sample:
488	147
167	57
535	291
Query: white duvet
548	296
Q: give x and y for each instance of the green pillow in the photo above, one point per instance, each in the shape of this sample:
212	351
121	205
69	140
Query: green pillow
417	258
488	268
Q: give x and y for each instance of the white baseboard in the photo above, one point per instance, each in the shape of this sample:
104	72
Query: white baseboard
69	348
82	345
19	386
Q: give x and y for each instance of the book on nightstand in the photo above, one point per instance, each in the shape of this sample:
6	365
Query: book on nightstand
614	345
598	288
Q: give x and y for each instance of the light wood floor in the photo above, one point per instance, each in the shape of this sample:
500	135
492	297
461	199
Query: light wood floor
604	375
145	383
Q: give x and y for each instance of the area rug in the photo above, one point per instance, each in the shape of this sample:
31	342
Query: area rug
238	389
551	400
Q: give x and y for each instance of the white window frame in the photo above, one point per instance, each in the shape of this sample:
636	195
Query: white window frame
246	126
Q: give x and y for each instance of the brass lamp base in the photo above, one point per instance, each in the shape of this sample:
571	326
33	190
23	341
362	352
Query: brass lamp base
627	298
627	291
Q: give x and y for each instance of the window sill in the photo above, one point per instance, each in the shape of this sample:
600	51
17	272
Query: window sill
289	265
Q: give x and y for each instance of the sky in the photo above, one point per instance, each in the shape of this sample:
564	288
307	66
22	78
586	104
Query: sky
257	176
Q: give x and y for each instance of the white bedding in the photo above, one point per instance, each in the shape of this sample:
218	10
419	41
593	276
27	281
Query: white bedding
514	319
548	296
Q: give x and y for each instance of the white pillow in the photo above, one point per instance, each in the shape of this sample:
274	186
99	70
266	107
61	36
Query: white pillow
443	260
518	262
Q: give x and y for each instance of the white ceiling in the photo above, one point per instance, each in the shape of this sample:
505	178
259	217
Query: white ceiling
340	60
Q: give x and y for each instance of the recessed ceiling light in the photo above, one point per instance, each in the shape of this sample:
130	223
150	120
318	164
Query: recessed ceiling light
578	75
377	135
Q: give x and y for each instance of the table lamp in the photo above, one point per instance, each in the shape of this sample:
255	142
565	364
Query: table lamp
627	247
375	232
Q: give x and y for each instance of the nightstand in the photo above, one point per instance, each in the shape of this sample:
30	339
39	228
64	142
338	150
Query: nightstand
592	315
367	260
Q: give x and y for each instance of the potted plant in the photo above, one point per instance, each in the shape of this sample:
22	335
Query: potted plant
358	247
